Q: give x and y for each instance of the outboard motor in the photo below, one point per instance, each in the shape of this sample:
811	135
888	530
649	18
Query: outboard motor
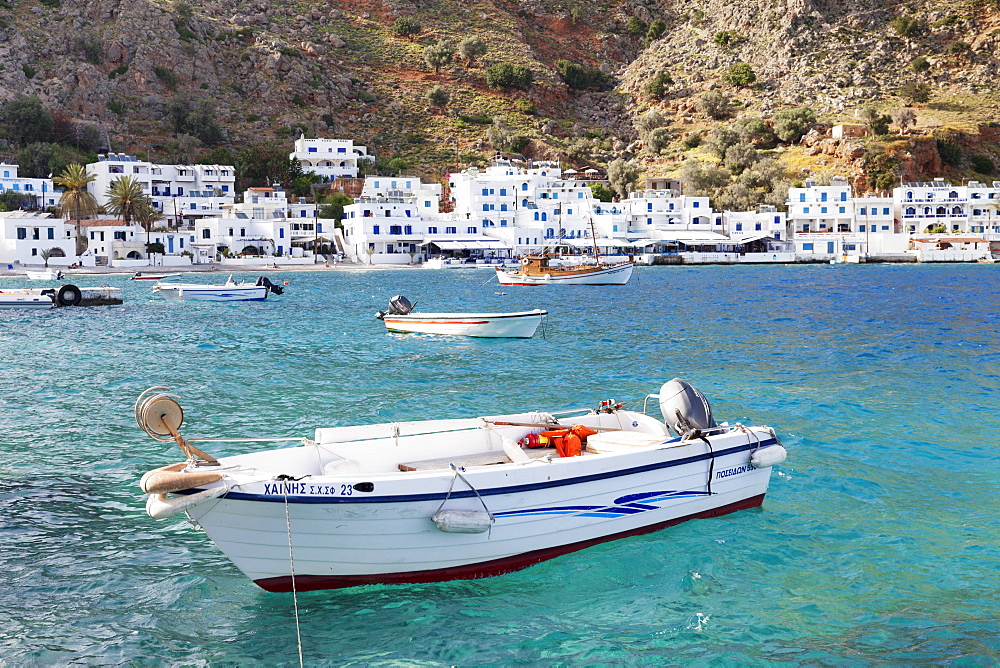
266	282
398	305
684	407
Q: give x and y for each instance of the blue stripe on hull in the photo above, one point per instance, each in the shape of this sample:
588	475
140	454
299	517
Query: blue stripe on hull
457	494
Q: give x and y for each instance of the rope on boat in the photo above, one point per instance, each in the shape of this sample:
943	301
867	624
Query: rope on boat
458	474
295	593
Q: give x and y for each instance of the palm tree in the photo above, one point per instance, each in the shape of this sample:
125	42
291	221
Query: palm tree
125	198
147	215
76	198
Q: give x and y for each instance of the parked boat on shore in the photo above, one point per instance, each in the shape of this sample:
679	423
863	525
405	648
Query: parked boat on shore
435	500
44	275
517	325
231	291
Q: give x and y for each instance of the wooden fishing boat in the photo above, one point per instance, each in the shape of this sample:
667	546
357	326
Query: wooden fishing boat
541	269
449	499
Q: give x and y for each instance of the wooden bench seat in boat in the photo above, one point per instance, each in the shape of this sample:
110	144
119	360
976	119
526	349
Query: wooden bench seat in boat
479	459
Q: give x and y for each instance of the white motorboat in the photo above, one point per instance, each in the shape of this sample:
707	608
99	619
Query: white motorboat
26	300
45	275
231	291
518	325
437	500
139	276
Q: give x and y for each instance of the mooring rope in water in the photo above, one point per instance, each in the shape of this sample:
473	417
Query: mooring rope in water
295	593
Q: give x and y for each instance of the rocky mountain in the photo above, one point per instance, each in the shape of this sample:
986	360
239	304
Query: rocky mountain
270	69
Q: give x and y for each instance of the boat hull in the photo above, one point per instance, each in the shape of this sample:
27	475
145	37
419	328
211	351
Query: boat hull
615	275
342	537
484	325
210	293
25	301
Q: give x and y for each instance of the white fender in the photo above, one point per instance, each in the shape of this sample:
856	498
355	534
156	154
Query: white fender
769	456
160	506
462	521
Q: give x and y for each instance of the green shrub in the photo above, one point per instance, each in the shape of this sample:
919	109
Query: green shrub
657	87
907	26
117	72
915	92
949	150
116	107
29	71
726	38
957	47
166	75
186	34
406	26
525	106
655	31
982	164
509	75
740	75
692	140
365	95
920	65
578	77
519	143
635	27
478	119
791	124
252	118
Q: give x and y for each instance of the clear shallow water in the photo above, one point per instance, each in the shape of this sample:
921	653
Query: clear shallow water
879	539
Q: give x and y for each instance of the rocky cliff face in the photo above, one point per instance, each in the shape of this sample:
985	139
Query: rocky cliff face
277	67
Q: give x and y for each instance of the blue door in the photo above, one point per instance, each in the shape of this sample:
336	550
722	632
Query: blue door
829	247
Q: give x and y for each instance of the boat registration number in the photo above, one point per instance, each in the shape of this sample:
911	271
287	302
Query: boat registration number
728	473
305	488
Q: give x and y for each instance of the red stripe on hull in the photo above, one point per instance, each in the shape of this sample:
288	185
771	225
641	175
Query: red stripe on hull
486	568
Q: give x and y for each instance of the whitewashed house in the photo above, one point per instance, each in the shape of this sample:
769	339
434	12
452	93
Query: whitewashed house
396	220
938	206
182	193
265	224
26	235
41	193
329	158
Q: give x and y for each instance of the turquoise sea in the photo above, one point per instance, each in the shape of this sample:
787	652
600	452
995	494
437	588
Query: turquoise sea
879	540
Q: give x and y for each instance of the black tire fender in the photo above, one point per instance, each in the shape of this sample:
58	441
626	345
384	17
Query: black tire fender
68	295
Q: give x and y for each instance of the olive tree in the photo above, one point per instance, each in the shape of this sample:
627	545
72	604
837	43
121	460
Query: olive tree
623	176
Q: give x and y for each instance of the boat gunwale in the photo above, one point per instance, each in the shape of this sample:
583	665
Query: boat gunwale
491	491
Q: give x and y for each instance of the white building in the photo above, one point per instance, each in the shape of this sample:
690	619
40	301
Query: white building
182	193
265	223
938	206
329	158
821	209
40	192
397	219
26	235
766	221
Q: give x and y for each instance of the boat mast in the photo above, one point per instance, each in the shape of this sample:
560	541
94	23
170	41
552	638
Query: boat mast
593	235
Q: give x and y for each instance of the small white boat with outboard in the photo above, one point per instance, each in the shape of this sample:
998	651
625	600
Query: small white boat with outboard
231	291
435	500
44	275
139	276
517	325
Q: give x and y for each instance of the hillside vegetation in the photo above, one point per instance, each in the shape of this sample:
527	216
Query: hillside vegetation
656	83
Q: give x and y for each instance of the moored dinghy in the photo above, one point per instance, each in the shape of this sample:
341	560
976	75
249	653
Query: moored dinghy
516	325
437	500
231	291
